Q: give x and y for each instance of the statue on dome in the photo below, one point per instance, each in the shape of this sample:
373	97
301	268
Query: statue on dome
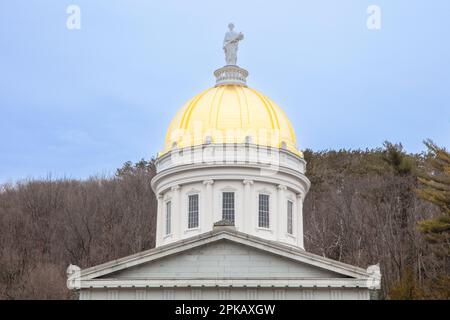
230	45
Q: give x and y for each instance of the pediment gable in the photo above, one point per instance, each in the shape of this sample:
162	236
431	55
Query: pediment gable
214	252
223	259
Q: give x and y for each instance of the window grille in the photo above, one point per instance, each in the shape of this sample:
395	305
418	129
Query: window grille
228	206
168	217
289	217
193	211
263	216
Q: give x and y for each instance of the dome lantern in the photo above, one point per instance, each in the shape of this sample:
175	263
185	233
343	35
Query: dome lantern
231	112
231	75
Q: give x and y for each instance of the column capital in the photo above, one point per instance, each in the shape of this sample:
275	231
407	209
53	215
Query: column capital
299	196
281	187
160	196
175	188
247	182
208	182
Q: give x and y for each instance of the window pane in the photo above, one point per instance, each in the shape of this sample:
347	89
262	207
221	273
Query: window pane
193	211
168	217
263	216
228	206
289	217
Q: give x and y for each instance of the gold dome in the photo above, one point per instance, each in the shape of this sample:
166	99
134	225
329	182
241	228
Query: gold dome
231	114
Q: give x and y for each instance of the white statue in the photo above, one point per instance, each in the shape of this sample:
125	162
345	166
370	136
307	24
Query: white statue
230	45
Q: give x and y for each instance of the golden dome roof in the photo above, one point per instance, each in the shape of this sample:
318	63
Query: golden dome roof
231	113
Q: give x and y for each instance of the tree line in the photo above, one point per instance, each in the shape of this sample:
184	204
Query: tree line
364	207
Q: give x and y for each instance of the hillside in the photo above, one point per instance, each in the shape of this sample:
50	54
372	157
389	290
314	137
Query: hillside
362	209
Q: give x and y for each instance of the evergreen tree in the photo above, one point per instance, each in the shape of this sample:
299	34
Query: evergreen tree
396	158
435	181
435	188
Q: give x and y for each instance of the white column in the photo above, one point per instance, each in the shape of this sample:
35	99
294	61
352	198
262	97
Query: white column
159	220
281	214
248	214
176	213
300	220
208	216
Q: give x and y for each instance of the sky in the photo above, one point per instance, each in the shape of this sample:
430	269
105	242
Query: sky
81	102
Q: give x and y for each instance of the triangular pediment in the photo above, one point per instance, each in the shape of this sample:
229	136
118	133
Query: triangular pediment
223	253
223	259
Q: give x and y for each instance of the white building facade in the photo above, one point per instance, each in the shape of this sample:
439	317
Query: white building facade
230	185
258	198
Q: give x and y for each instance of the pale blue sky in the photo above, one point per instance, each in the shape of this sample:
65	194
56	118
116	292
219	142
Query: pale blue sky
82	102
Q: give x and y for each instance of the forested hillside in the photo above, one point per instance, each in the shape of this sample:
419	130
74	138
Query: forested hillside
364	207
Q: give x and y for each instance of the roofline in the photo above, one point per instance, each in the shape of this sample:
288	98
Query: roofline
302	187
316	283
219	233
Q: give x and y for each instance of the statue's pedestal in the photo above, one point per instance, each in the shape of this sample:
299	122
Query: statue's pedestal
231	74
